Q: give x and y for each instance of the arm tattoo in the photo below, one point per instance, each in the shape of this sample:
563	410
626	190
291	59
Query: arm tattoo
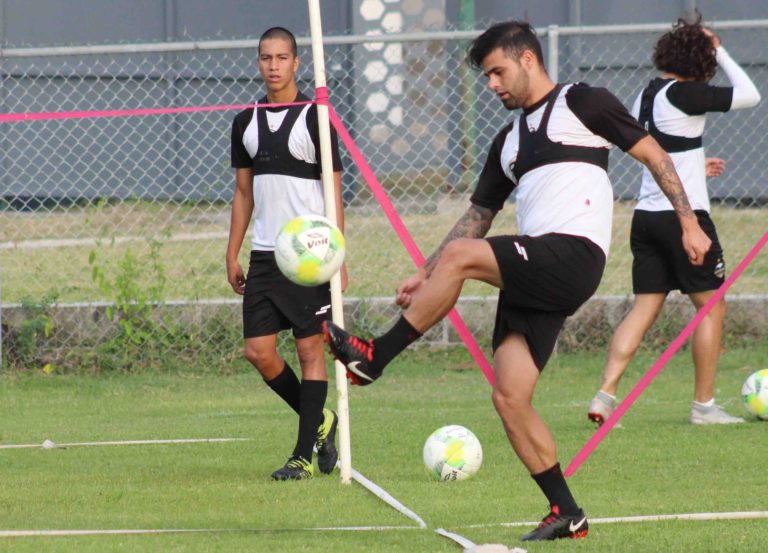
475	223
666	177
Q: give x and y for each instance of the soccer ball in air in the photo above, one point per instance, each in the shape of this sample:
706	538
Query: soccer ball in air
309	250
452	453
754	392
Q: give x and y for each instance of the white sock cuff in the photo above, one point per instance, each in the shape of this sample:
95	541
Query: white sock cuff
606	394
709	403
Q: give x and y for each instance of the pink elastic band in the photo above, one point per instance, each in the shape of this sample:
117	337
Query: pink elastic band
47	115
321	95
370	177
407	239
676	344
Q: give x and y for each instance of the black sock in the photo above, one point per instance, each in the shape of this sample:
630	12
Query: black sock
287	386
552	483
397	338
313	393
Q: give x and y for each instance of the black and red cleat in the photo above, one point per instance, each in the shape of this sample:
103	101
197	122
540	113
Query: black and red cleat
354	353
555	526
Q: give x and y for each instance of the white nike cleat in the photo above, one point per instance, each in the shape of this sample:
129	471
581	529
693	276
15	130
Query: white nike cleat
601	407
714	414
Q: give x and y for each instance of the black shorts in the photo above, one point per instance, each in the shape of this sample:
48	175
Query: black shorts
660	263
273	303
546	279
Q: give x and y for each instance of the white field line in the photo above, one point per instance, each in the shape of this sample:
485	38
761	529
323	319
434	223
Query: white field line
469	546
48	533
96	532
358	477
742	515
736	515
459	539
47	444
78	242
351	528
386	498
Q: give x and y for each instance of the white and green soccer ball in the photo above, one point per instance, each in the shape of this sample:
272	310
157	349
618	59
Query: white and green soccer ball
452	453
309	250
754	392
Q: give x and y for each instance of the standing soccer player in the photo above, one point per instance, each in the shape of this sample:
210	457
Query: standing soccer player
276	153
673	108
556	157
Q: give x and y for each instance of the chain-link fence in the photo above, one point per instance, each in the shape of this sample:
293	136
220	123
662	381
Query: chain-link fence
113	229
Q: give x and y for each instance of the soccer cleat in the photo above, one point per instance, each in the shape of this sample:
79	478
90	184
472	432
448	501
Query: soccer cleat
353	352
714	414
327	455
555	526
601	407
296	468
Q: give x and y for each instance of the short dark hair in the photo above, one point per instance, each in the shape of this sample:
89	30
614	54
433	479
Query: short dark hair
280	32
511	36
686	51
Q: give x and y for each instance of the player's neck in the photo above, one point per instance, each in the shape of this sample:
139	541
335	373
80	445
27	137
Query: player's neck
284	95
666	75
540	87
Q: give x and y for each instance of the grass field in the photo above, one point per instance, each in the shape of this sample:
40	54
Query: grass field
655	464
377	260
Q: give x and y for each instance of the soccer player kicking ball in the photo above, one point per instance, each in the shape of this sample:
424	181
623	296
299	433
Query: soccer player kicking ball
276	154
673	108
556	157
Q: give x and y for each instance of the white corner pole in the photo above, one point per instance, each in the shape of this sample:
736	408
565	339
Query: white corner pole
326	165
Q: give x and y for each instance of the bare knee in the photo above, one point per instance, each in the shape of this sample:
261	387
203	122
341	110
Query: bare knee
311	357
507	403
640	318
266	361
624	346
454	255
717	312
647	311
309	351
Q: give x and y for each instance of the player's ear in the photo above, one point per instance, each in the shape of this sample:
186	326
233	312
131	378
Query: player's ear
528	59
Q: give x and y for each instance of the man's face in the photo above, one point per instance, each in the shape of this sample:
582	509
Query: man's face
277	64
507	77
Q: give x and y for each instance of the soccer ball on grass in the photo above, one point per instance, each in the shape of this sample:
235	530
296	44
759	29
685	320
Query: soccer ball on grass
309	250
452	453
754	392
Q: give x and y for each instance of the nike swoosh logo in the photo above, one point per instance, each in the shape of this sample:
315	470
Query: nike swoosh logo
353	367
573	527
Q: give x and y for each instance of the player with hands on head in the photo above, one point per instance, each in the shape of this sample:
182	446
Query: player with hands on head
673	107
555	157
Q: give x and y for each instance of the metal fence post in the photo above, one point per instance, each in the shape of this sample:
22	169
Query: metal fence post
553	34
